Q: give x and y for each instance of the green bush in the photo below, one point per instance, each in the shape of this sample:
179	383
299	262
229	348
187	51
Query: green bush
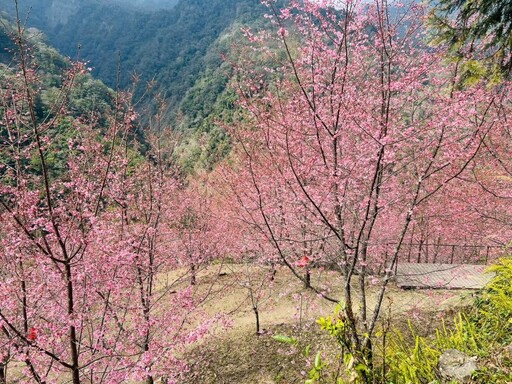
410	362
484	330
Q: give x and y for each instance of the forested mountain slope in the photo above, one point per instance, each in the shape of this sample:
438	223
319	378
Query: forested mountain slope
171	47
88	96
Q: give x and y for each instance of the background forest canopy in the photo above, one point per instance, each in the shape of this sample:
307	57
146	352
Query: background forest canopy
329	139
170	57
171	48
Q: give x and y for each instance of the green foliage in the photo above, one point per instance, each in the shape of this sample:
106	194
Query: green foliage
66	106
473	71
493	317
316	373
169	49
49	62
355	368
7	45
485	330
488	325
410	362
334	325
206	140
178	53
57	153
90	97
464	24
87	96
285	339
463	336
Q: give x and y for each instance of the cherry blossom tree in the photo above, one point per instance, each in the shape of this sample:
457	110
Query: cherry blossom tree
345	134
199	231
89	286
155	310
47	222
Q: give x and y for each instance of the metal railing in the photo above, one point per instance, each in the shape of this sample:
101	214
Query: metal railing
435	253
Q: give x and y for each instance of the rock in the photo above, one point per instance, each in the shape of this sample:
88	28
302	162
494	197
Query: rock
453	364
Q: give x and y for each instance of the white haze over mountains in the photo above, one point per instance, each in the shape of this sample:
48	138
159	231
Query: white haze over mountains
149	3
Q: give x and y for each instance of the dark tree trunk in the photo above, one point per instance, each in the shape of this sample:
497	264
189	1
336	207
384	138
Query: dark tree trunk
3	367
192	274
257	315
307	278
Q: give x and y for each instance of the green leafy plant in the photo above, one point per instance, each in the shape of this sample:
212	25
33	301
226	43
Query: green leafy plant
484	330
335	325
410	362
285	339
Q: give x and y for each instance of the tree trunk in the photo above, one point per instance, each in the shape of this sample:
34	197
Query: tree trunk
192	274
366	359
257	315
274	271
3	368
73	340
307	278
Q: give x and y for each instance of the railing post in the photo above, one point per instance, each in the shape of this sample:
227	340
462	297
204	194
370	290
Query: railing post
419	251
453	254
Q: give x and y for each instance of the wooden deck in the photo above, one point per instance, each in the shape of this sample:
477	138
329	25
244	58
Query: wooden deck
442	276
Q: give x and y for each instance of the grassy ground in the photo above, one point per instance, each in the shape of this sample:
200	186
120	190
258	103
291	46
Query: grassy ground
238	355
